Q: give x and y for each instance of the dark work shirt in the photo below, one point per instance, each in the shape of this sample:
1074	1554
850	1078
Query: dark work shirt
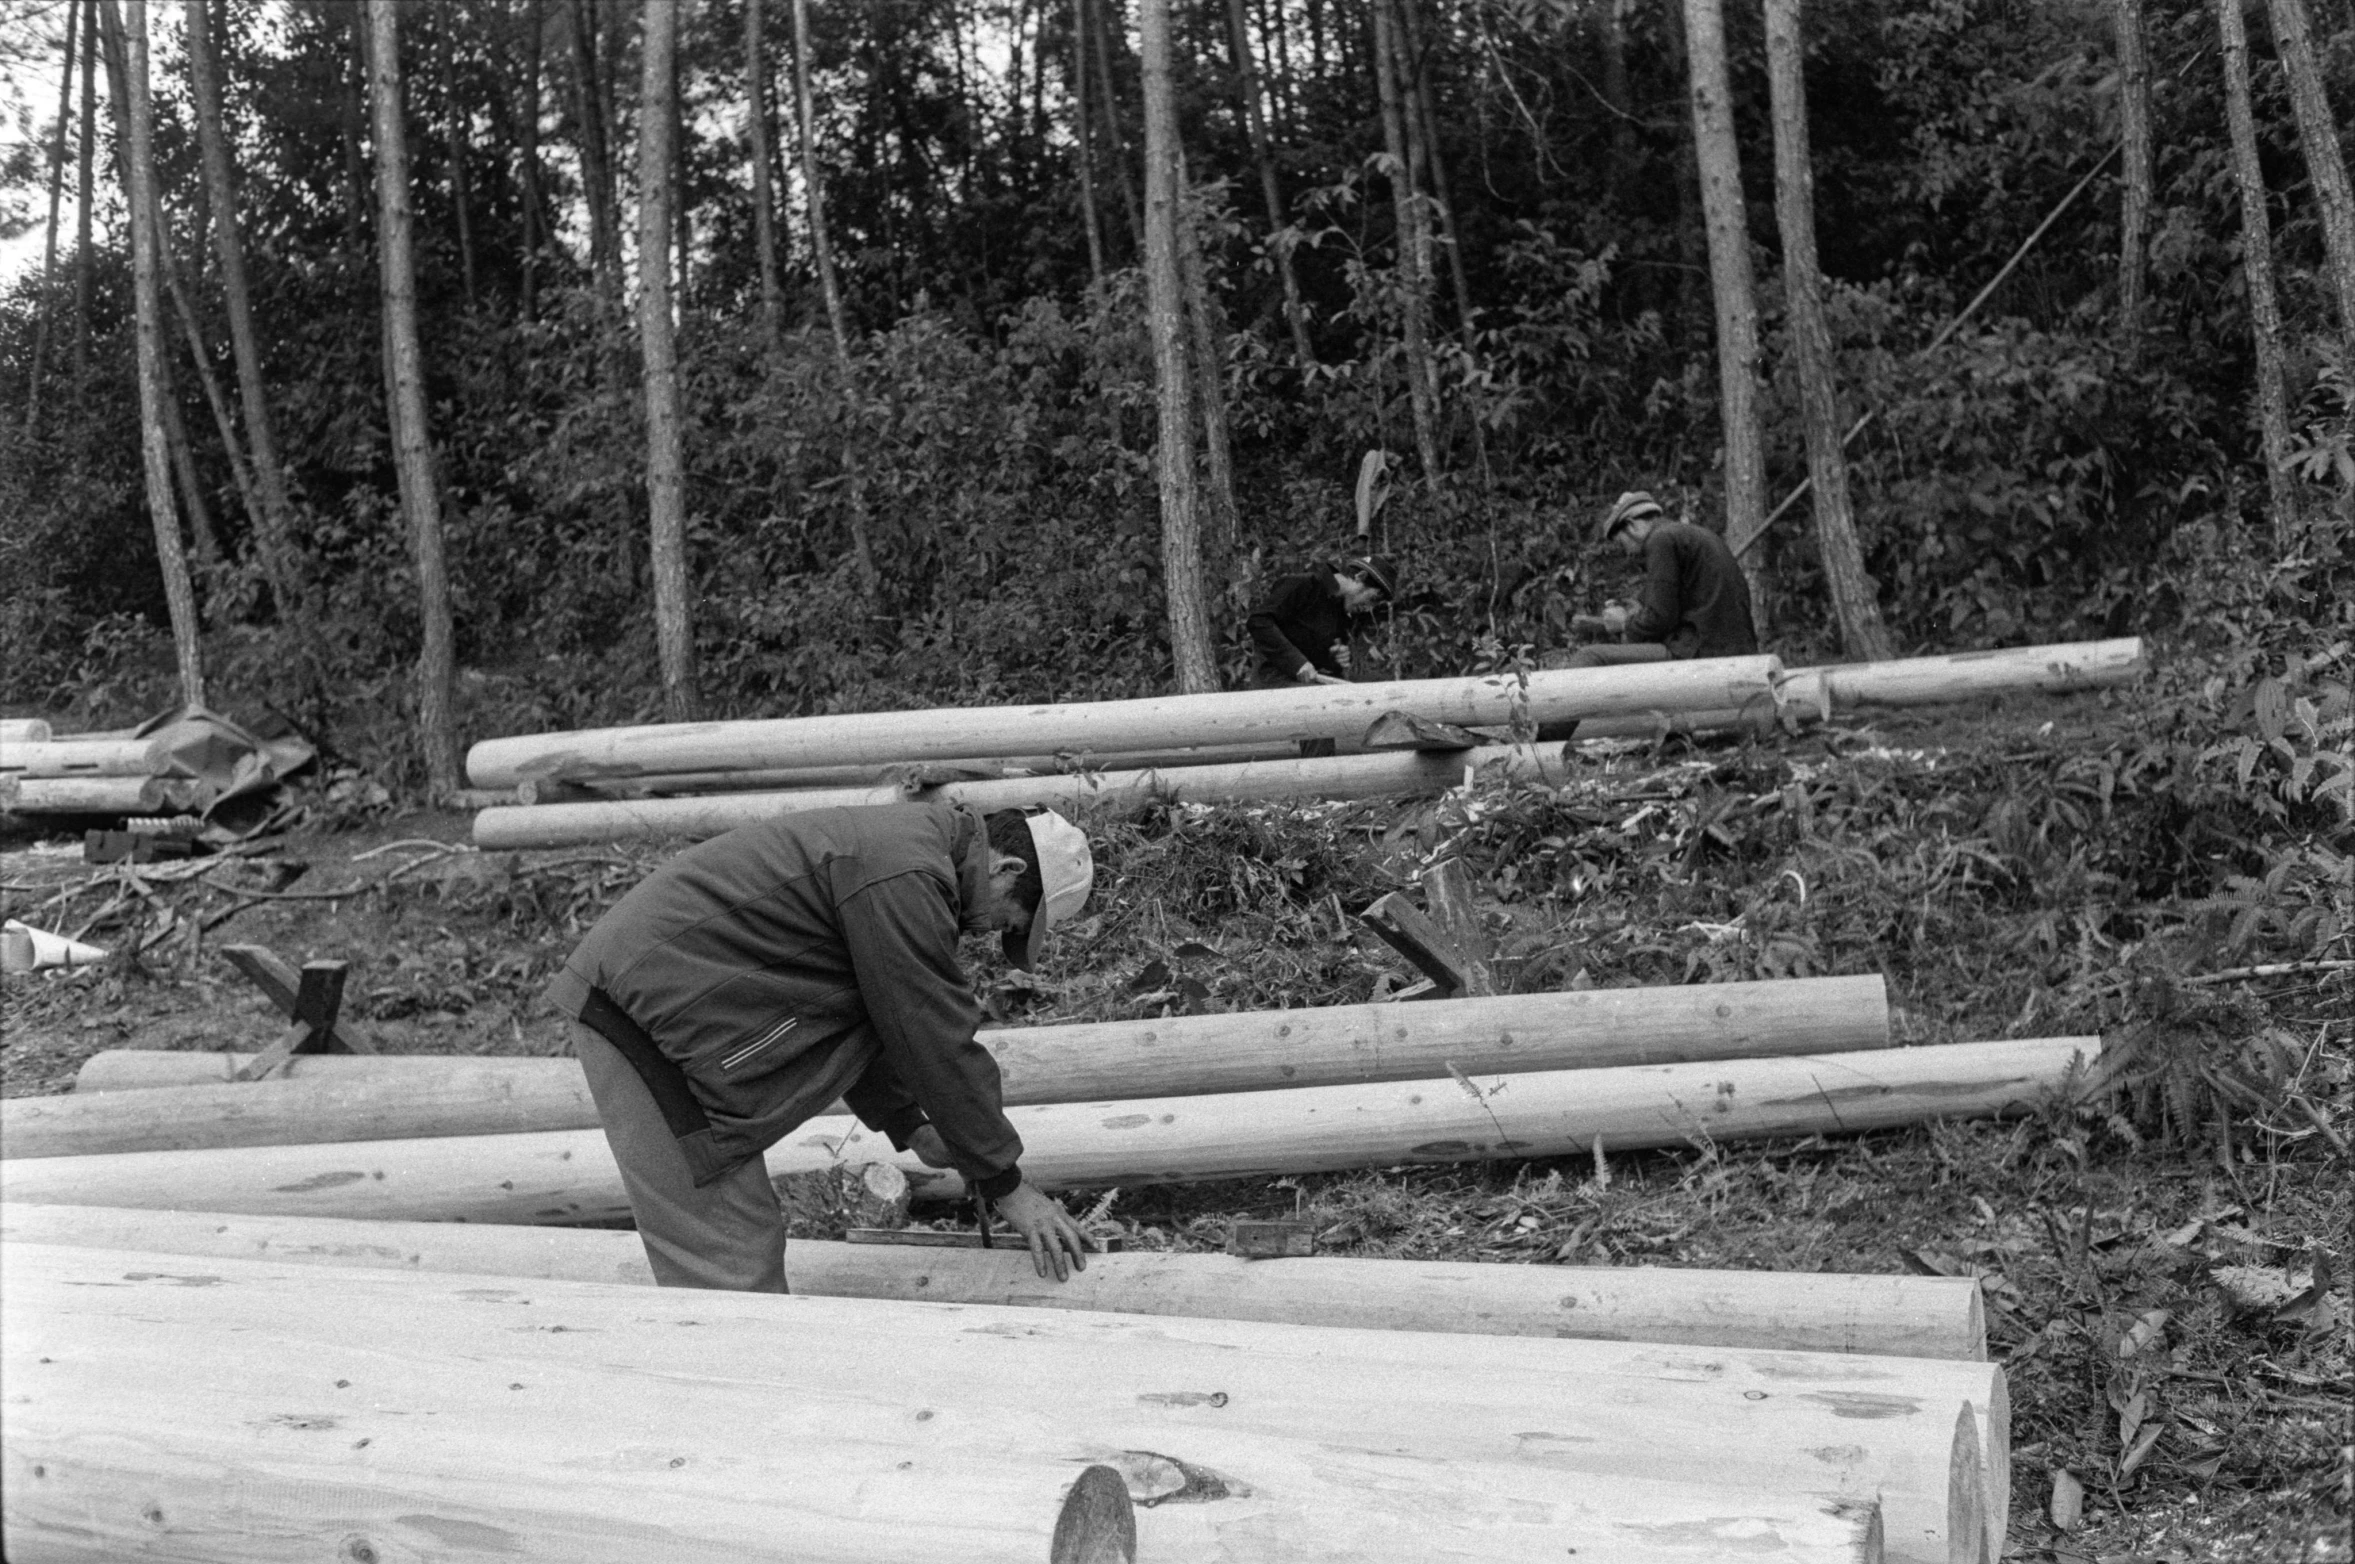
1695	600
1296	626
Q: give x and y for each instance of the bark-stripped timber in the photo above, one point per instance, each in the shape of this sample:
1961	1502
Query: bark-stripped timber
1378	775
1155	722
567	1177
24	730
99	795
330	1097
1483	1447
1960	676
1888	1316
80	758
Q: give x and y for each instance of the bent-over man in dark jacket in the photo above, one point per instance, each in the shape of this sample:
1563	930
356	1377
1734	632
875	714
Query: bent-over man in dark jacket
1695	600
750	981
1304	617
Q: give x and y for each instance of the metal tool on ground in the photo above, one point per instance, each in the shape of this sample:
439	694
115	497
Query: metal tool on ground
276	977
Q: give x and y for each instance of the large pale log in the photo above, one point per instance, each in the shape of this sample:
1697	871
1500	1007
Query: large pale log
1377	775
1962	676
568	1176
140	795
1173	721
80	758
1890	1316
1474	1447
331	1097
24	730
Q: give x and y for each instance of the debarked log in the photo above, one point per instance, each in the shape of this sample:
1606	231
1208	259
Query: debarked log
131	795
1890	1316
1377	775
639	1419
568	1176
329	1097
24	730
1961	676
80	758
1159	722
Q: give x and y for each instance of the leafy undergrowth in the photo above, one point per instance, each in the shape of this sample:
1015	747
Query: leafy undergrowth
2163	1258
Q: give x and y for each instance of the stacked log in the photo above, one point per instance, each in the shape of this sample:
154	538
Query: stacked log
338	1097
568	1176
22	730
201	1399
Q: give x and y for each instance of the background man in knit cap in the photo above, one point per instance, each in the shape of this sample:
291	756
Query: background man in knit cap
750	981
1695	601
1310	628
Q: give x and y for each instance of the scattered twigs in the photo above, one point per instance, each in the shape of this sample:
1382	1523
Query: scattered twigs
433	848
2267	970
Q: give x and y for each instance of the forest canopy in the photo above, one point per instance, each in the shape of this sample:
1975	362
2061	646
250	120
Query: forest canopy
918	405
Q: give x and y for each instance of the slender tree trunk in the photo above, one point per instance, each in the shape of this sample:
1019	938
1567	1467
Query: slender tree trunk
1423	140
84	194
1854	605
1102	29
534	232
1611	24
1208	350
405	377
1414	256
1263	153
1086	154
65	114
2326	161
1729	270
764	198
821	250
2134	126
1692	243
2273	413
666	502
822	257
274	521
1190	641
155	439
454	117
596	156
207	545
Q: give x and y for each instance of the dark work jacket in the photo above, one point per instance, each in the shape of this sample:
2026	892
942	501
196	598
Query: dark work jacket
787	963
1296	626
1695	600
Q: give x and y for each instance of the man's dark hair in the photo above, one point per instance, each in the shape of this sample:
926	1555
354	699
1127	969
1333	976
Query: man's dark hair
1009	833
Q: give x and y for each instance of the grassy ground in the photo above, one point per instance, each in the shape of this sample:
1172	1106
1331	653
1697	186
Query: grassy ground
2163	1260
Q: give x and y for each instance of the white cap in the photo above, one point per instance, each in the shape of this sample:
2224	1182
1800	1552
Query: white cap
1067	872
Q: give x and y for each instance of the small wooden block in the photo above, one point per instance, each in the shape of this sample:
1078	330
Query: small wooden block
275	976
318	997
1405	730
107	846
1403	928
929	1238
1098	1521
1286	1238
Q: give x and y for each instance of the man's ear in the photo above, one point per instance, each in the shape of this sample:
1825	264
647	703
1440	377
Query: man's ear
1006	863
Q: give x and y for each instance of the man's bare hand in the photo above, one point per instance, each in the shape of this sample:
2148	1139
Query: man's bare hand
1054	1238
929	1148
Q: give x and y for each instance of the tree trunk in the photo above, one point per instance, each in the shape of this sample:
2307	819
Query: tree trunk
1692	243
1085	155
764	199
208	549
1207	340
84	194
597	178
2134	126
665	480
454	118
405	377
2326	161
2273	414
1190	643
1110	80
1730	276
275	516
155	439
1263	153
1611	26
1854	604
533	211
1423	141
822	257
1414	254
48	310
